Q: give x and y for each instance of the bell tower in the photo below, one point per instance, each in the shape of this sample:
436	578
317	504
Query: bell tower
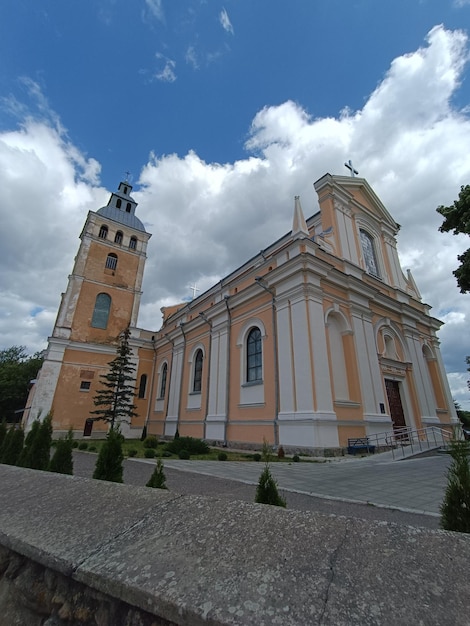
102	298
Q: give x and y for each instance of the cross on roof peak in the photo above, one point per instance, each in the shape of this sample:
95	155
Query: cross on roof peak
350	167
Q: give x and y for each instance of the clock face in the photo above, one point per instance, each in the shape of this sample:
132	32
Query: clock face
369	253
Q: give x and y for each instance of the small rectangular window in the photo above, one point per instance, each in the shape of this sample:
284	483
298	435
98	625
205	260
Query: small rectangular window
85	385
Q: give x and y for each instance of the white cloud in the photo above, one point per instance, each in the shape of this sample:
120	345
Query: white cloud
155	8
191	57
167	73
211	217
225	21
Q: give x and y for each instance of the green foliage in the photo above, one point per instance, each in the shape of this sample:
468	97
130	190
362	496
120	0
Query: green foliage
158	479
296	458
166	453
266	491
457	220
12	446
455	508
62	459
75	444
280	453
109	463
191	444
257	457
3	434
17	369
184	455
25	456
37	449
150	442
177	434
149	453
266	451
144	433
92	449
83	445
132	452
222	456
114	398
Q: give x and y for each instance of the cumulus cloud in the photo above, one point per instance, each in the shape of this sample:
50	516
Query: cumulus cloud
191	57
155	8
167	73
225	21
409	141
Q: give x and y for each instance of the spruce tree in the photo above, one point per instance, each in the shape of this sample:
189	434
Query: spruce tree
25	456
266	491
455	508
114	399
39	455
158	479
62	459
13	445
3	434
109	463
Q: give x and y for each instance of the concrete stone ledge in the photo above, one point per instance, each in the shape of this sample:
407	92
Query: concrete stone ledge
198	561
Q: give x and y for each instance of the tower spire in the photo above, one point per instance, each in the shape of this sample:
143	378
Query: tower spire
299	225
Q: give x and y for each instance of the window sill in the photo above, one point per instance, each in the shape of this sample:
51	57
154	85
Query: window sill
253	383
194	393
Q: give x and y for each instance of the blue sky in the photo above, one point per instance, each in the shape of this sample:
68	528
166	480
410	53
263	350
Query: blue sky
222	112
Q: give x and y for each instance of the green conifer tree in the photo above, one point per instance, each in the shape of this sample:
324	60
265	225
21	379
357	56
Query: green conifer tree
25	456
266	490
455	508
62	459
158	479
13	445
3	434
40	453
109	463
114	398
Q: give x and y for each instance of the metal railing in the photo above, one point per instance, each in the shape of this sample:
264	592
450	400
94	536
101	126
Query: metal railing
405	441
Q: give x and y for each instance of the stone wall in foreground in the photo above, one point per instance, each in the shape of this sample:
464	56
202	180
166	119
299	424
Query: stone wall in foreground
76	551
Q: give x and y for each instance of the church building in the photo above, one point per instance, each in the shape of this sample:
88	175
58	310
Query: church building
318	338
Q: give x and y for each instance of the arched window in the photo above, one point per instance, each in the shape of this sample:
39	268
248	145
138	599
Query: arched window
103	234
125	190
101	311
118	203
142	385
118	237
197	372
132	243
254	356
111	261
368	252
163	377
128	207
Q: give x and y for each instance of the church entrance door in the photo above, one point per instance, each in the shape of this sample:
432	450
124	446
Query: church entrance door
88	427
394	402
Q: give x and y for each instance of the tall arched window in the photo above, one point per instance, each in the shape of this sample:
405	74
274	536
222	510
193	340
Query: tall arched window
101	311
368	252
118	203
197	372
128	207
142	385
254	356
163	377
111	261
132	243
118	237
103	234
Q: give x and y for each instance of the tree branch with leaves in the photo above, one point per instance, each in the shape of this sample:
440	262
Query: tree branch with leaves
457	221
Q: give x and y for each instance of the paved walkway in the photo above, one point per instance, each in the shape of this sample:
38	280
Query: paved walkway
414	485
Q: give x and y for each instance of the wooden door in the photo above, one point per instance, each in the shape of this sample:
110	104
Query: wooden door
395	405
88	427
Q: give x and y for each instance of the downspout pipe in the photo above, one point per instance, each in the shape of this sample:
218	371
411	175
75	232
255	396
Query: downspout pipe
209	323
227	379
260	281
181	379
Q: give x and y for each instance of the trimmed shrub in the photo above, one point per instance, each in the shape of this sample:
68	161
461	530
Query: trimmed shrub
25	456
109	463
92	449
75	444
62	459
150	442
222	456
280	453
3	433
296	458
83	446
266	491
455	508
256	457
191	444
132	452
158	479
149	453
166	453
184	455
12	446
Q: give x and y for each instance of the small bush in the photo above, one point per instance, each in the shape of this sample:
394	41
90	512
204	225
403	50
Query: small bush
296	458
184	455
455	508
280	453
256	457
222	456
166	454
92	449
158	479
75	444
266	491
109	463
132	452
62	459
83	445
191	444
150	442
149	453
